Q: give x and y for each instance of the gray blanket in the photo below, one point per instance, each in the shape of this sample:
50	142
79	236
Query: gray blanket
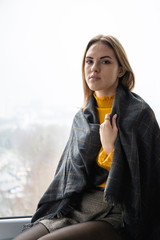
134	179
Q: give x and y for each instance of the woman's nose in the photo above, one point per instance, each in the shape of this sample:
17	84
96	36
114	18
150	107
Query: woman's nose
95	67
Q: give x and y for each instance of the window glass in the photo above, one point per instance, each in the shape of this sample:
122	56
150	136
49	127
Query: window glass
41	49
28	157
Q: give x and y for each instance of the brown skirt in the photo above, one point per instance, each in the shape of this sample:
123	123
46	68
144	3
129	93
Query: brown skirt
92	207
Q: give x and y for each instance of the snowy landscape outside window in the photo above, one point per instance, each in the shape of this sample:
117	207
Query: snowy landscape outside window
31	144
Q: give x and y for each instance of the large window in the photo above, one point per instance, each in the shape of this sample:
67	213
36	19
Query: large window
41	48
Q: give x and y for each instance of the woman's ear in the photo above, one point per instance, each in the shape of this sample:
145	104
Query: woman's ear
121	72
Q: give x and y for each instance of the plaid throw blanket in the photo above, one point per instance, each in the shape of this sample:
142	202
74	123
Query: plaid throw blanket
134	179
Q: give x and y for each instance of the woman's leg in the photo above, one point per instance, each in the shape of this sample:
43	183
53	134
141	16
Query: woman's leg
94	230
33	233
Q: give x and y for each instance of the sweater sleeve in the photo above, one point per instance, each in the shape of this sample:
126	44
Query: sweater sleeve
104	160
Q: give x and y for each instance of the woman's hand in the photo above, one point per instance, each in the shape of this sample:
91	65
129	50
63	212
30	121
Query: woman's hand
108	133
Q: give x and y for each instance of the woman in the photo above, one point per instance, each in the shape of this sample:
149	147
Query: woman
107	181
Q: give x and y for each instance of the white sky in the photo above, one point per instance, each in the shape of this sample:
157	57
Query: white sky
42	44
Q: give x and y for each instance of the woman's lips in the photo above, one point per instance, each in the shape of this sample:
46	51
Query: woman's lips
94	78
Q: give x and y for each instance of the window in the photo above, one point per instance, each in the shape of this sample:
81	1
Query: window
28	159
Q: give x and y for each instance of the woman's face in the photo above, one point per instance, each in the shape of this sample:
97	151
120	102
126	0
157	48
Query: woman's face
102	70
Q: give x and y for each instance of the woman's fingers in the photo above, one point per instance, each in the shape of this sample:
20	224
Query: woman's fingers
108	133
114	125
107	117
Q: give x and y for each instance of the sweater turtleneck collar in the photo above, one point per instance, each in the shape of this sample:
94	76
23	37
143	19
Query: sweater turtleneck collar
104	102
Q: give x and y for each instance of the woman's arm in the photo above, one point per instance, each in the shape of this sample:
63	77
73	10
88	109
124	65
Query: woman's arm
104	160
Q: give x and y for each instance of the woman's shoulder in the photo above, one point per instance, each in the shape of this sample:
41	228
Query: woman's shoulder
131	105
79	118
144	108
133	108
78	114
146	117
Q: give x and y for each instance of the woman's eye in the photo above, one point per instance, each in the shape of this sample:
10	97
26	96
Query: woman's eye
106	62
89	61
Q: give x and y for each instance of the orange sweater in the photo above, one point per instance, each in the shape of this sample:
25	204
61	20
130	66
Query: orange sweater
104	106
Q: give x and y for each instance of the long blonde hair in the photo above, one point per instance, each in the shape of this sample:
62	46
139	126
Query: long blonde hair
127	80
